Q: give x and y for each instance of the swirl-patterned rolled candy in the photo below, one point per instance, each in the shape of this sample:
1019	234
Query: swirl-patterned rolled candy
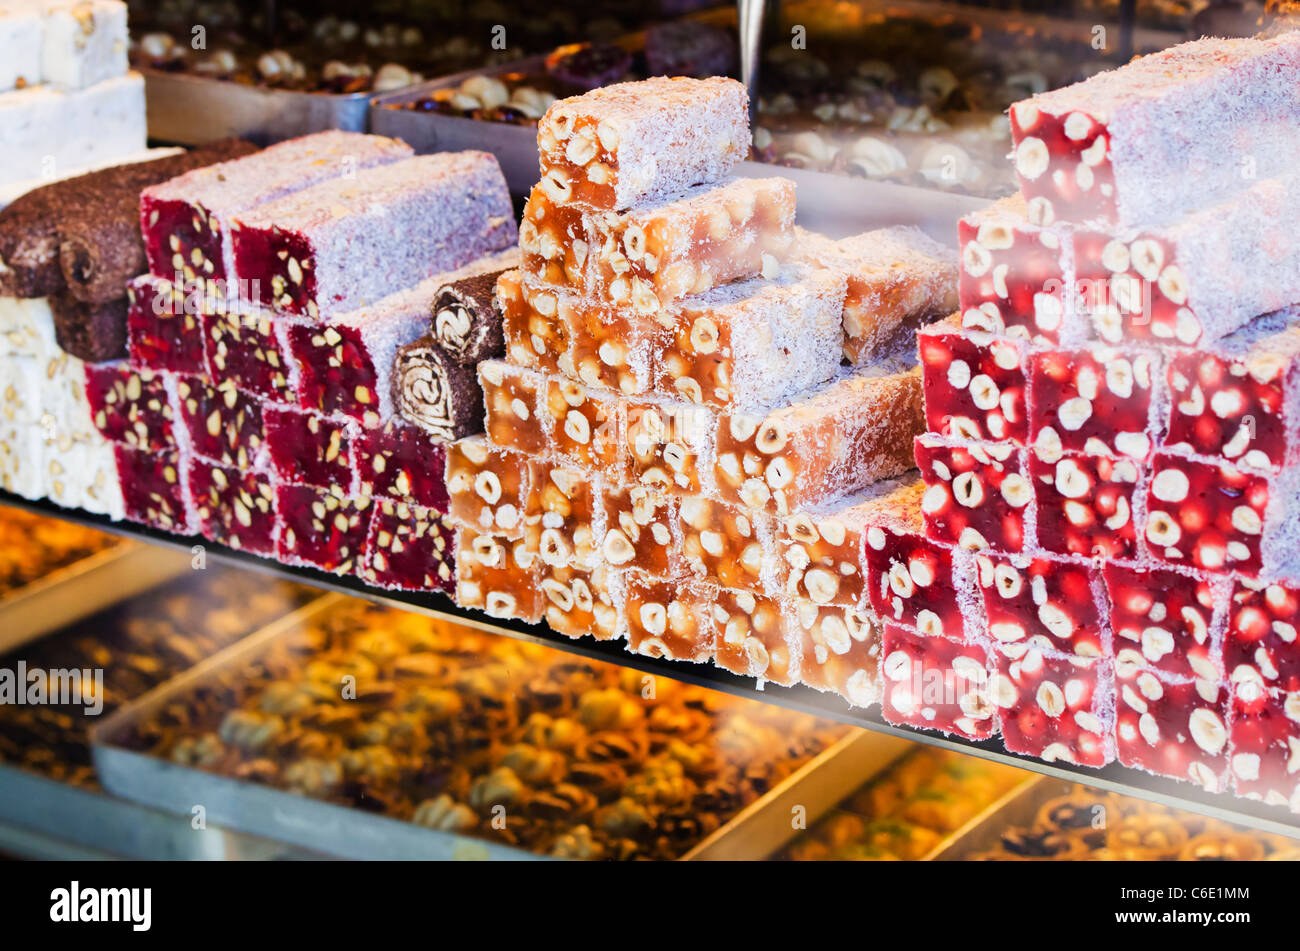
436	393
466	322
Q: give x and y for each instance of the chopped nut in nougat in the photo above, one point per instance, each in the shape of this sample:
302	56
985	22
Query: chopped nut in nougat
628	143
234	505
583	426
251	349
311	449
403	463
1260	644
162	332
1169	621
129	406
1123	145
1054	706
535	322
976	384
668	618
1265	740
582	602
1172	727
750	637
823	445
755	342
409	548
839	650
224	425
667	445
499	576
321	527
1097	401
152	488
1084	504
488	487
553	239
898	278
612	347
329	249
726	544
976	493
641	529
564	506
658	253
936	683
1043	603
513	398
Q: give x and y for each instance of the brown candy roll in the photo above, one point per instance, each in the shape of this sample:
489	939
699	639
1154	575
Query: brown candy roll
433	391
466	322
82	235
92	332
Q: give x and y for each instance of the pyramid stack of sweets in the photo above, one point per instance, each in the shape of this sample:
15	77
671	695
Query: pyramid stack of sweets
699	408
253	405
1114	432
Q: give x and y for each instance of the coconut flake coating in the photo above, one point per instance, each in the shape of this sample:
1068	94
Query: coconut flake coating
622	145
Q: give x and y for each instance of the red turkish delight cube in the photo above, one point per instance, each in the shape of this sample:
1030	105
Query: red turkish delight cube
163	329
975	383
914	581
1266	745
401	462
976	493
1054	706
1260	645
321	527
1096	401
1170	727
235	506
1167	620
312	449
409	548
1084	504
153	488
130	406
936	684
1043	603
224	425
249	349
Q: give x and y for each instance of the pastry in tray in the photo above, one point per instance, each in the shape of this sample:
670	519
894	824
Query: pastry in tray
452	729
32	546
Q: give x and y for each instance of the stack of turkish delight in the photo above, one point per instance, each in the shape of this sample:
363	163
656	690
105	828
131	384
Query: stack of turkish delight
1114	430
699	407
67	100
254	406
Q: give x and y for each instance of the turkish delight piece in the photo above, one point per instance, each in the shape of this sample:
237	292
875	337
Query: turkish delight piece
1043	603
1054	706
898	278
83	43
163	330
976	384
1016	275
1172	727
935	683
667	445
1097	401
749	633
822	445
20	391
668	618
400	462
626	144
434	392
1168	621
1266	745
186	221
249	348
657	253
726	544
329	249
1100	149
553	238
311	449
839	650
94	332
1240	398
466	319
641	529
489	488
513	398
64	403
565	505
754	342
21	34
582	426
130	406
224	425
911	580
154	491
582	602
534	323
82	473
26	327
234	506
409	548
22	460
1085	505
1216	517
321	527
976	494
1260	644
499	576
612	346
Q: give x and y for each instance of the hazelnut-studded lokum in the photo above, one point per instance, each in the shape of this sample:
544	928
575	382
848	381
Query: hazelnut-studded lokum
249	346
1266	745
936	683
1043	603
726	544
400	462
824	445
629	143
499	576
755	342
564	507
488	487
466	321
535	323
1172	727
839	650
329	249
163	330
1096	401
1163	135
321	527
553	237
311	449
185	220
750	637
977	494
976	384
130	406
897	279
234	505
153	486
409	548
1054	706
224	425
582	426
1260	645
668	445
1169	621
436	393
513	397
669	618
581	602
1086	505
641	529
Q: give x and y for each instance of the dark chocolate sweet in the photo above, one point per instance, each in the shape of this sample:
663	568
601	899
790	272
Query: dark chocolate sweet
93	332
436	393
466	322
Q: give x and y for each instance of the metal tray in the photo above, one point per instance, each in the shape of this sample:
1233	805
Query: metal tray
191	110
83	588
343	832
